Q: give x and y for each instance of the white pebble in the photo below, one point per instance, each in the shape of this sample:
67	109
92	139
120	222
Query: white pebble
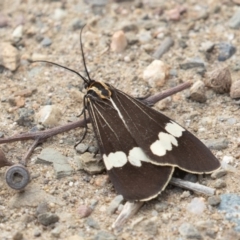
228	159
156	73
196	206
49	115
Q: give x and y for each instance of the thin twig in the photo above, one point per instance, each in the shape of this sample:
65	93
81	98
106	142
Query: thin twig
42	135
196	187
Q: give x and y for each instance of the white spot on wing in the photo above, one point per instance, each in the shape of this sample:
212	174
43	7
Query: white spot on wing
174	129
164	144
136	155
117	159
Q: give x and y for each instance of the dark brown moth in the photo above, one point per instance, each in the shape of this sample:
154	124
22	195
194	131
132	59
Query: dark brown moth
140	146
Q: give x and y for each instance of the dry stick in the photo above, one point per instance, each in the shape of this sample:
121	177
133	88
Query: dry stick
196	187
42	135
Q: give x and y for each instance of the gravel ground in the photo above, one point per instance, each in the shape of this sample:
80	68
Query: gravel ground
199	38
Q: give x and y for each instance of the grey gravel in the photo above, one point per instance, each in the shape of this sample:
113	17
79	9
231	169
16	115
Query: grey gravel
216	144
151	226
192	63
226	50
81	148
48	218
56	232
77	24
42	208
220	184
18	236
60	162
92	223
189	231
37	233
214	200
90	164
46	42
161	207
230	204
166	44
103	235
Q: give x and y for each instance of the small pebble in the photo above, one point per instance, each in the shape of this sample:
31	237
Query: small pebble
9	56
93	149
92	223
37	233
226	50
84	211
17	34
119	42
228	159
77	24
196	206
219	80
18	236
192	63
150	226
103	235
56	232
216	144
156	73
197	92
48	218
214	200
81	148
48	115
42	208
218	174
235	90
144	36
165	45
46	42
207	46
189	231
59	14
185	194
220	184
90	164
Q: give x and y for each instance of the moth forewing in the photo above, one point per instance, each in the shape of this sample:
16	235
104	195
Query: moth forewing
135	179
163	140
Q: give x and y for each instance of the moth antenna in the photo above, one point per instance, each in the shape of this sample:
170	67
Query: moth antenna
61	66
83	57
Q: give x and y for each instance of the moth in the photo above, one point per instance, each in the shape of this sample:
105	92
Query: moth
140	146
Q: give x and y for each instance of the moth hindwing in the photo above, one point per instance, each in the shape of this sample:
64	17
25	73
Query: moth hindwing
141	147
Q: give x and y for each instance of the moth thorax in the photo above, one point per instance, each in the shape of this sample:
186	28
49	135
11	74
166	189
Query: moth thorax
99	89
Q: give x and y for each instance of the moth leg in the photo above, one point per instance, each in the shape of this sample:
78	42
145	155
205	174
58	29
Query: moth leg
85	121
